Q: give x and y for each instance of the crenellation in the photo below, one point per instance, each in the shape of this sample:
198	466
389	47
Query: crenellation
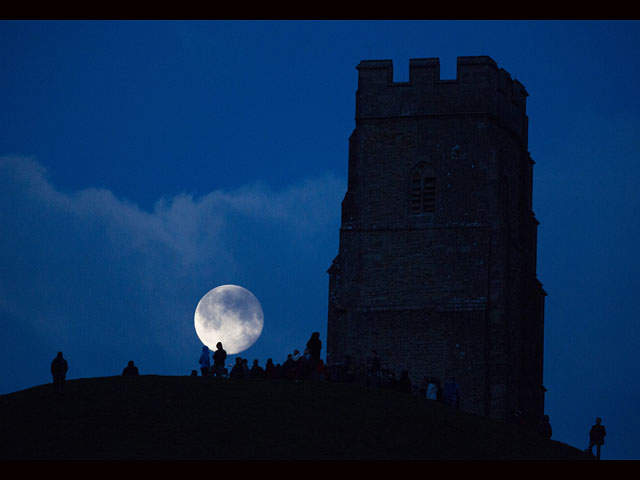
480	87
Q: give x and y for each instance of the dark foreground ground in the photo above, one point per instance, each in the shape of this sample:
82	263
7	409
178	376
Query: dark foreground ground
193	418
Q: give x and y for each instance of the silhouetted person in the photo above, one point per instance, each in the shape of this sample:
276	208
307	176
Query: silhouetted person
315	347
432	388
451	393
289	367
320	371
219	357
205	362
596	437
296	355
269	369
256	370
404	383
130	370
59	368
237	371
305	365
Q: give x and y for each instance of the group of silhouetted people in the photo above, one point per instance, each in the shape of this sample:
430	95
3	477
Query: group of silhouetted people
309	365
296	366
378	375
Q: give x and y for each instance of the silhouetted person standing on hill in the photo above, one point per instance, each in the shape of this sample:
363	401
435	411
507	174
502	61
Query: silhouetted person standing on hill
205	363
596	437
315	346
130	370
59	368
270	369
219	357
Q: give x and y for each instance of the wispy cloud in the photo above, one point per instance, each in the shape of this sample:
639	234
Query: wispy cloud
87	271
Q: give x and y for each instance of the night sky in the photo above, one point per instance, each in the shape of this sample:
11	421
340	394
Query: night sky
143	163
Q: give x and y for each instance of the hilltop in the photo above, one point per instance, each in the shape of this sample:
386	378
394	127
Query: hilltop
155	417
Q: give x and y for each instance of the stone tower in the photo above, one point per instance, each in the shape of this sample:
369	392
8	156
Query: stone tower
436	268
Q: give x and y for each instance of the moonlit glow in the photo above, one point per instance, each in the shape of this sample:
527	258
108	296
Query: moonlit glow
229	314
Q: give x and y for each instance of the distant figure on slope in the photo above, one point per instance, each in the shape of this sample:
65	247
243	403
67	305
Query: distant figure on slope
59	368
596	437
451	393
205	362
219	357
130	370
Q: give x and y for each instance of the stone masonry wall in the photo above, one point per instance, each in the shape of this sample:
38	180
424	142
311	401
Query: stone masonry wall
451	291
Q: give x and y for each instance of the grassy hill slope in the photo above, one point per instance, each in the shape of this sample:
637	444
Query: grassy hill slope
171	417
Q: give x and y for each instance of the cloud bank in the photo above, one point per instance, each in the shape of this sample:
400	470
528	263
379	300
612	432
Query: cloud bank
104	281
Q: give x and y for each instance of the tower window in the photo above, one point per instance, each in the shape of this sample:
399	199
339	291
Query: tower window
422	189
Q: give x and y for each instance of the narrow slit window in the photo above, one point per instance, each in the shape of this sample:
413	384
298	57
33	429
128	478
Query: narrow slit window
422	189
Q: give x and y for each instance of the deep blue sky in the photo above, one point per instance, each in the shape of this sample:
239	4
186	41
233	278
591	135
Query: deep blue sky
143	163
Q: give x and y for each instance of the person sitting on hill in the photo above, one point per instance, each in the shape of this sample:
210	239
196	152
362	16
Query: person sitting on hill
130	370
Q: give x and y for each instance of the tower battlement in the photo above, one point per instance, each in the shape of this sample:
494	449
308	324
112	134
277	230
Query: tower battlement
480	87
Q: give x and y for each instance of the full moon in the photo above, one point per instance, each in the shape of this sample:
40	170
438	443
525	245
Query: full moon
231	315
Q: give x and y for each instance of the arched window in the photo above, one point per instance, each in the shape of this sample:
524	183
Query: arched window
422	189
